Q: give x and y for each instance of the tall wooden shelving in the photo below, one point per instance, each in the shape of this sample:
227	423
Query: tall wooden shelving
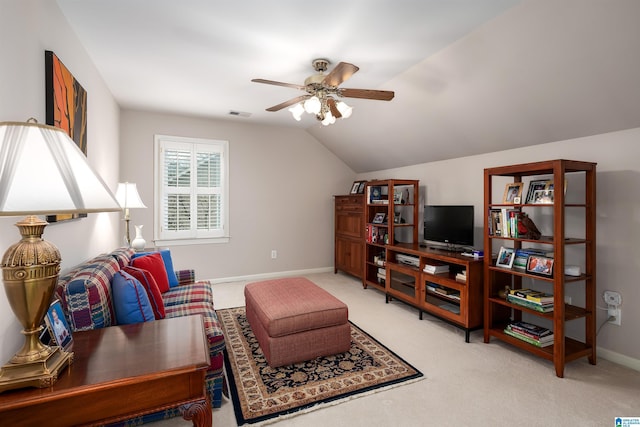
498	311
404	230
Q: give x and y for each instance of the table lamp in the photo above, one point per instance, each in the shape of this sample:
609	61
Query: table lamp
128	198
42	171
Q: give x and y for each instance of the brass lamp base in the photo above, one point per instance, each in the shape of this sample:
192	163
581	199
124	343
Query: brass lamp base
40	373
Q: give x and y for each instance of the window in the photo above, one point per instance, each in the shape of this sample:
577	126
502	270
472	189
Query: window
192	185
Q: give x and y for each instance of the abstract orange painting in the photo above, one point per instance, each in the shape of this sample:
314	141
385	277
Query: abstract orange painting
66	108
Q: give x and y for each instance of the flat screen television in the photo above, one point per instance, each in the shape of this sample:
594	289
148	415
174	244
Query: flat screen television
451	225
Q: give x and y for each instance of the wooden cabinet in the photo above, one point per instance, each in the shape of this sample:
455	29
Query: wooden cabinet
349	234
569	212
450	295
391	216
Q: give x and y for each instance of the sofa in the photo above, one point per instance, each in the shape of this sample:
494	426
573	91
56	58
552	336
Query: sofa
91	295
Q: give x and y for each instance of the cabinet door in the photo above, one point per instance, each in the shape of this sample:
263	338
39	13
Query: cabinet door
349	223
350	255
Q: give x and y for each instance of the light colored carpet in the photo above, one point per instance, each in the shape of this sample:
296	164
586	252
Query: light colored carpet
474	384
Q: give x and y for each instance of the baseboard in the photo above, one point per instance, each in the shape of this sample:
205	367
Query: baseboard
264	276
618	358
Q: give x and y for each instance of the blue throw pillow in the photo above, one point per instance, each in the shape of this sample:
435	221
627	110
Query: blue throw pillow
130	300
168	265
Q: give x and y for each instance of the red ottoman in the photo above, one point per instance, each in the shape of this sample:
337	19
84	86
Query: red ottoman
295	320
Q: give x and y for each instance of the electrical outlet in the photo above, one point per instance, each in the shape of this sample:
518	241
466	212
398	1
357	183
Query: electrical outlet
615	312
274	254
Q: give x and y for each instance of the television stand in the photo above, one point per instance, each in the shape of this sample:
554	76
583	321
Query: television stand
455	249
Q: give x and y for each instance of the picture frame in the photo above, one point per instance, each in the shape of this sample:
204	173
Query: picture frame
57	326
540	265
511	191
361	187
379	218
542	197
354	187
535	185
505	257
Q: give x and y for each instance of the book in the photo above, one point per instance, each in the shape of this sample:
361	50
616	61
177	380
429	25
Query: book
434	269
521	331
527	339
446	291
532	331
533	295
495	227
532	328
542	308
461	277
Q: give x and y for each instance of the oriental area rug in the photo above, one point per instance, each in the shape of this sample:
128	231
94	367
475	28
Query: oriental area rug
261	394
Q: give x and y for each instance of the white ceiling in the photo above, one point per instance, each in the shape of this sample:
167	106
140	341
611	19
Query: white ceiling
470	76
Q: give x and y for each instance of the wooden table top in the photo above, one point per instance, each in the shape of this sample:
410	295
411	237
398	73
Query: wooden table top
105	358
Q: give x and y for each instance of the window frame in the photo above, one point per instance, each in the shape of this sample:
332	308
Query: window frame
192	236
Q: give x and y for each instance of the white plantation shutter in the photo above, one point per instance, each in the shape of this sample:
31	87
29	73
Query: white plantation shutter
192	195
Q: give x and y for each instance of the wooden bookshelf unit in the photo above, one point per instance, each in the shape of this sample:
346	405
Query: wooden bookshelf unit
574	211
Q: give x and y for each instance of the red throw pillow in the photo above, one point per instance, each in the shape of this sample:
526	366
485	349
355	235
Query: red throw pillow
150	285
154	264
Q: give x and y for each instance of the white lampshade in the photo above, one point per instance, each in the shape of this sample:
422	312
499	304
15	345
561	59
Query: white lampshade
328	119
312	105
128	197
42	172
344	109
297	111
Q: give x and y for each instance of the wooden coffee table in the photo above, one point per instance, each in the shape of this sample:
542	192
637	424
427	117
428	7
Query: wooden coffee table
121	372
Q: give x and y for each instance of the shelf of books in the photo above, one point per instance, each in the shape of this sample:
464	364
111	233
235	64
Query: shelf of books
528	274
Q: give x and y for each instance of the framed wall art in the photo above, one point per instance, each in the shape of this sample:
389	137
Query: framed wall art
66	108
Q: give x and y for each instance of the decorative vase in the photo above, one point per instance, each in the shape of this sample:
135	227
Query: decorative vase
138	243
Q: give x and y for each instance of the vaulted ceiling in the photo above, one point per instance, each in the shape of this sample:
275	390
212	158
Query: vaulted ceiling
469	76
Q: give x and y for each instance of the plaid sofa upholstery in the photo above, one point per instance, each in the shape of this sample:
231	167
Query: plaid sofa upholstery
85	295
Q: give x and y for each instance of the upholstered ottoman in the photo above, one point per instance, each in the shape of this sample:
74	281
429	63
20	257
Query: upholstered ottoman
295	320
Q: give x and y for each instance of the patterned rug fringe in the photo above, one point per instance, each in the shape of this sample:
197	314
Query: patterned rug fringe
322	405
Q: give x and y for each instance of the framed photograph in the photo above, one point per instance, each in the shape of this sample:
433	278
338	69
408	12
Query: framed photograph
361	187
379	218
542	197
58	327
505	257
511	191
355	187
541	265
540	184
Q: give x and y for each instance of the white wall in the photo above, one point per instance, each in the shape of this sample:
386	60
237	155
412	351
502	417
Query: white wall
460	181
27	29
281	186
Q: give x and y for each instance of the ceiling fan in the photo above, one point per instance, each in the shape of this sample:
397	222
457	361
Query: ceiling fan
322	91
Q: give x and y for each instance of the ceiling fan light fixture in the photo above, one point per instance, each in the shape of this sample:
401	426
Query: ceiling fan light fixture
328	119
312	105
297	111
344	109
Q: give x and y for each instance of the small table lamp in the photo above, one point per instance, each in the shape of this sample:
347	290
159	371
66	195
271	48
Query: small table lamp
42	171
128	198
